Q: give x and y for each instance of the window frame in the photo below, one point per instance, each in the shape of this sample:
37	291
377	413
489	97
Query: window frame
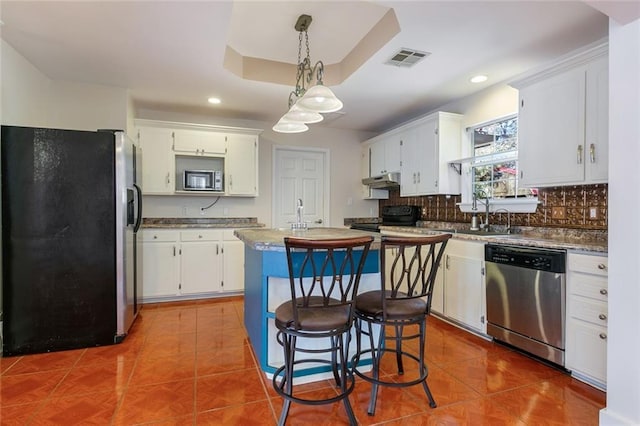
514	204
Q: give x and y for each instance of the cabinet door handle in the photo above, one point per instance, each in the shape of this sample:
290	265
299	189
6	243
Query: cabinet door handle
168	178
603	336
231	181
603	291
580	154
447	262
602	266
217	249
602	317
418	177
592	153
174	251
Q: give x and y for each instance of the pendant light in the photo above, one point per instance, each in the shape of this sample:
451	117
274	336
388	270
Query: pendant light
307	105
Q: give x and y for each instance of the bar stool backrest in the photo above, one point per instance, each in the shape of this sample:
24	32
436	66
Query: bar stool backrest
409	270
326	274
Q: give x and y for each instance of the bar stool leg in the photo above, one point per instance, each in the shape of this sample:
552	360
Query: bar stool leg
398	330
423	367
287	380
376	355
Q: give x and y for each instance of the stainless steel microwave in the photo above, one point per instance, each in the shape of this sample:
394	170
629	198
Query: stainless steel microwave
202	180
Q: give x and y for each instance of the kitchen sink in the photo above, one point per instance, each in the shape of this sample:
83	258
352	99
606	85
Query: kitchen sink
479	233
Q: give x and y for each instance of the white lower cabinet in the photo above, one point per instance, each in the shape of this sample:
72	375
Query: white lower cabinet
459	289
437	297
191	263
464	284
232	262
200	257
587	317
160	264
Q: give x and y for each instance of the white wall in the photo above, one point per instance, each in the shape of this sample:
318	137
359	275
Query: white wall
494	102
344	148
29	98
623	350
24	90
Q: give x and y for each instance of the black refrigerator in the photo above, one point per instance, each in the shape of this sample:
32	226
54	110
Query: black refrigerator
71	207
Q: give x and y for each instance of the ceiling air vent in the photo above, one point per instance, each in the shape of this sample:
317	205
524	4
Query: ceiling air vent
407	57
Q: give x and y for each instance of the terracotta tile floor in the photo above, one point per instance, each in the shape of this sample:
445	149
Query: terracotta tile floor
191	363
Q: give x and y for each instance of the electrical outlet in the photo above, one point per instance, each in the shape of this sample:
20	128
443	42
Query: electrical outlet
558	213
594	214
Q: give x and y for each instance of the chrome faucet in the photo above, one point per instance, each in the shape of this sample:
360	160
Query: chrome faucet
474	207
299	224
508	218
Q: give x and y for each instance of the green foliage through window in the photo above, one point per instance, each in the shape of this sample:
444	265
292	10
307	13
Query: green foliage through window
495	162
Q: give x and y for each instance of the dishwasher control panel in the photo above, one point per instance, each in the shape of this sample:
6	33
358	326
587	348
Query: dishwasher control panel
527	257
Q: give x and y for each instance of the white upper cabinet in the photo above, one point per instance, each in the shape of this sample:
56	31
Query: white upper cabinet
597	125
168	149
242	165
563	123
427	147
199	142
385	154
158	171
369	193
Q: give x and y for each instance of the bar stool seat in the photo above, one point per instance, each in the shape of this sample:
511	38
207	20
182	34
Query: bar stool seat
312	318
324	276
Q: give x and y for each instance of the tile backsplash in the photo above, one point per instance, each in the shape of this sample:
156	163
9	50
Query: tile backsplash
580	207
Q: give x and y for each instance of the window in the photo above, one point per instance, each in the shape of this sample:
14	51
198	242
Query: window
494	165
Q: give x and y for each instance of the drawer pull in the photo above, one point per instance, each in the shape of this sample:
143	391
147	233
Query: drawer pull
602	317
602	266
199	236
603	291
603	336
155	237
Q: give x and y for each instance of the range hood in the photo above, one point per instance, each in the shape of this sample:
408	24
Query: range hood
385	181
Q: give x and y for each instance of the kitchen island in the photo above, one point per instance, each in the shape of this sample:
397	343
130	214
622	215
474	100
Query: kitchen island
267	286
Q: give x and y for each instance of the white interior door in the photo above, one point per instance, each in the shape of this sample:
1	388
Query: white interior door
300	174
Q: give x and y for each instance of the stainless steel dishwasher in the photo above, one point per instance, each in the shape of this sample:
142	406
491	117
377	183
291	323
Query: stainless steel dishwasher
526	299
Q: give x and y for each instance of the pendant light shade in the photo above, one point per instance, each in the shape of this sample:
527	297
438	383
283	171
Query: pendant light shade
321	99
284	126
302	115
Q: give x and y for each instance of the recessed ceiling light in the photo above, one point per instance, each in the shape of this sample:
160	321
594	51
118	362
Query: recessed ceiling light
214	101
479	79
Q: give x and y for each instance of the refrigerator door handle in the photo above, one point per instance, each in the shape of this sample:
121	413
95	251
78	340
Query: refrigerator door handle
136	227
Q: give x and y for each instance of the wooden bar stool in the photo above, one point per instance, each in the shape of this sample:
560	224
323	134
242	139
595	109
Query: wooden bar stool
407	280
324	277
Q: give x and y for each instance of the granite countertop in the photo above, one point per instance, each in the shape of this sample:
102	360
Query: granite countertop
544	239
273	239
210	222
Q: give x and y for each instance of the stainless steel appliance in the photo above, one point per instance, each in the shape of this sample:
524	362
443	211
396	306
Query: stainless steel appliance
384	181
392	216
526	291
202	180
71	207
